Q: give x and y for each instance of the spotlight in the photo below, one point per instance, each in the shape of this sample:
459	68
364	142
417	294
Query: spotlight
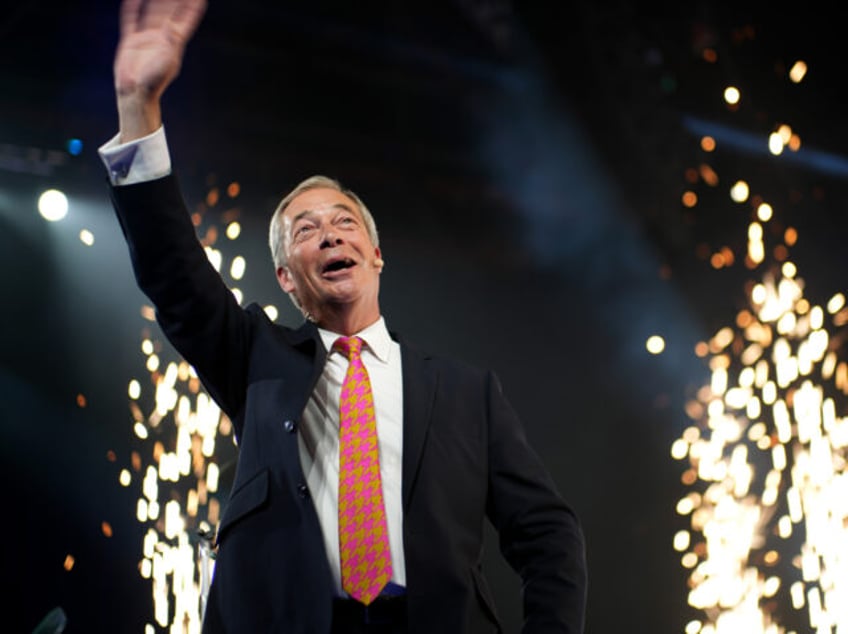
53	205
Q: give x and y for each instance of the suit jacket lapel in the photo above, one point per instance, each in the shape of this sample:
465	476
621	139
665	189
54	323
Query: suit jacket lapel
420	379
306	340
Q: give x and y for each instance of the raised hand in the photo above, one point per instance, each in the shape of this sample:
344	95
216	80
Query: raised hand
154	34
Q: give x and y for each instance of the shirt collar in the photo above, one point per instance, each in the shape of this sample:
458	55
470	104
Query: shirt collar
376	337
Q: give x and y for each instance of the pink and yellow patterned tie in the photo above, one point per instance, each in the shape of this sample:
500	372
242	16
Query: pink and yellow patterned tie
363	534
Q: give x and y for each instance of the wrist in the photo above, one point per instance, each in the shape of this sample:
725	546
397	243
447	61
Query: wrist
139	114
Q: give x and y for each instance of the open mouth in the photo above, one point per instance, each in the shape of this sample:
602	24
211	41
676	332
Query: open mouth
338	265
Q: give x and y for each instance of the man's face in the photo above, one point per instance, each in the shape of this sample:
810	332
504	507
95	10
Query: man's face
331	259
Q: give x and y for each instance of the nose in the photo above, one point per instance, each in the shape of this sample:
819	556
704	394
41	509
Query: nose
330	238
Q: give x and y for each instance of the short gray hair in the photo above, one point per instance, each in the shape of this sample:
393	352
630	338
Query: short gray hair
275	231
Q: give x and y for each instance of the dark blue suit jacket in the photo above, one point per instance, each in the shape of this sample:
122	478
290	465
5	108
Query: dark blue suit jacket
465	459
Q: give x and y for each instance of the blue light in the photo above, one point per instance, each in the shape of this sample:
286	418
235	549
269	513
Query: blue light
74	147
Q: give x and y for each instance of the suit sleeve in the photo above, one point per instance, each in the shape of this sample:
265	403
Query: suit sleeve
197	312
540	535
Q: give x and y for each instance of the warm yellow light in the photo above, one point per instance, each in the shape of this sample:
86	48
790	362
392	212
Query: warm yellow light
681	541
732	95
739	192
238	267
775	143
214	256
692	627
798	71
836	303
134	389
788	269
233	230
679	449
125	478
655	344
86	237
212	474
764	212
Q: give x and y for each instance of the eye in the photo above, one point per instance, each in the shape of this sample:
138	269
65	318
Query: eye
302	231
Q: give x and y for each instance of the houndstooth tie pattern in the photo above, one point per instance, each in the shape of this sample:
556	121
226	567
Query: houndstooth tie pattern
366	561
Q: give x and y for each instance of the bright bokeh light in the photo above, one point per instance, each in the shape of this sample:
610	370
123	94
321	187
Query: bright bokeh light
233	230
238	267
769	460
53	205
765	212
739	192
775	143
86	237
655	344
766	454
74	147
798	71
178	475
134	389
732	95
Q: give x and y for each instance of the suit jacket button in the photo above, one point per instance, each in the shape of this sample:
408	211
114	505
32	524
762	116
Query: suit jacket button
302	490
290	426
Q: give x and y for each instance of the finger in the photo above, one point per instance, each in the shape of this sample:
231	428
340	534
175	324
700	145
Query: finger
187	16
129	16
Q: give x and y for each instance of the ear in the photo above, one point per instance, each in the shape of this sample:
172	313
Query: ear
285	280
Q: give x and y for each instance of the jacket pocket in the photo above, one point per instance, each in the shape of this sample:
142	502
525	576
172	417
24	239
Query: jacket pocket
247	498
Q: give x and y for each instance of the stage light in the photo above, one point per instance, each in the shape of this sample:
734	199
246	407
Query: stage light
180	424
740	192
53	205
74	147
237	267
233	230
655	344
797	72
86	237
732	95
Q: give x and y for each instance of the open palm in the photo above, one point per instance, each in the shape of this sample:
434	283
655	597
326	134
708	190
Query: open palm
154	34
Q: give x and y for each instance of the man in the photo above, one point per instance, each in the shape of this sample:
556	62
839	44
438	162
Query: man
304	545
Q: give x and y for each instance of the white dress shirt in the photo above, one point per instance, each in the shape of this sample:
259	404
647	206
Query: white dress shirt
148	158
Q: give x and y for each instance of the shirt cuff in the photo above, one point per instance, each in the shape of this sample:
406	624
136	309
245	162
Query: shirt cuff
137	161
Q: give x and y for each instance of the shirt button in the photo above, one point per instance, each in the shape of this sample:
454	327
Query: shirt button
289	426
302	490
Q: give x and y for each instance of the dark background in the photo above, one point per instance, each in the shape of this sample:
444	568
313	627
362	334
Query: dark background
525	162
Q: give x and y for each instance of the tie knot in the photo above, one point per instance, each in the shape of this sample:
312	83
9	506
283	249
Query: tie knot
349	346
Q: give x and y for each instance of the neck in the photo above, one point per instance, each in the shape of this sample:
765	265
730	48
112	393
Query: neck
343	319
